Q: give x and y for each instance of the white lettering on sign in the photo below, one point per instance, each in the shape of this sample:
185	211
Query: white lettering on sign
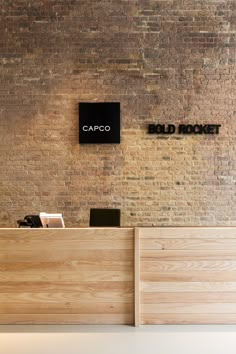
101	128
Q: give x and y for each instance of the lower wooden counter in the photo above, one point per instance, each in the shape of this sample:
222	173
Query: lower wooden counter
118	276
82	276
186	275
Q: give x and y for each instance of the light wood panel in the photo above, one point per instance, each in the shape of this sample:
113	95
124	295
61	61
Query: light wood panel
83	276
97	276
61	255
184	287
187	244
188	232
191	297
181	266
173	308
187	275
186	318
137	277
60	307
124	318
202	255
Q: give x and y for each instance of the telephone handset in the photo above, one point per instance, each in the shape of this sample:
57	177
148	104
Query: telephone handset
32	221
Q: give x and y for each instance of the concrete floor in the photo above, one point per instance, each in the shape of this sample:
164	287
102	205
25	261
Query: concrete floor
49	339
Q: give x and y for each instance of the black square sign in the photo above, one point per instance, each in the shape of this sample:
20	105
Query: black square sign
99	123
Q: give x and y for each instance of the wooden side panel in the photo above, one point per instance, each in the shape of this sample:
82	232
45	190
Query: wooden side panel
137	277
187	275
83	276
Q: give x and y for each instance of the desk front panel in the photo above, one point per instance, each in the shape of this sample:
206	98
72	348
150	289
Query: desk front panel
187	276
82	276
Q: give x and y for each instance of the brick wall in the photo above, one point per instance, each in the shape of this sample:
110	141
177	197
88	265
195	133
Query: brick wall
167	61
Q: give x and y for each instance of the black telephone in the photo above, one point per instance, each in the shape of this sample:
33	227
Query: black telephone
30	221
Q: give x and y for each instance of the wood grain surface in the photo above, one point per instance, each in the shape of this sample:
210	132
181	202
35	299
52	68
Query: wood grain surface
118	276
83	276
187	275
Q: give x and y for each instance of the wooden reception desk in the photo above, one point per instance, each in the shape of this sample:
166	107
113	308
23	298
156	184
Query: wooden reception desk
118	275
